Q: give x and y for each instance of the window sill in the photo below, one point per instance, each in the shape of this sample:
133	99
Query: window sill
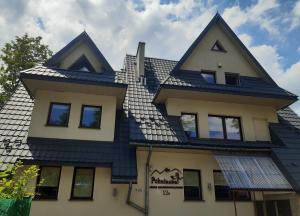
81	199
61	126
200	200
232	200
229	140
45	199
96	128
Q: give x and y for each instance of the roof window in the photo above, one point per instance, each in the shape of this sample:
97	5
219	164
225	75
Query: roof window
82	64
218	47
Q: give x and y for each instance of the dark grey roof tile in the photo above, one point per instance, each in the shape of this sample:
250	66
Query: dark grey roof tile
248	85
15	120
117	77
286	133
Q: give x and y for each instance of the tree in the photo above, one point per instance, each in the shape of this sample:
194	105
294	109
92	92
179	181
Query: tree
20	54
15	181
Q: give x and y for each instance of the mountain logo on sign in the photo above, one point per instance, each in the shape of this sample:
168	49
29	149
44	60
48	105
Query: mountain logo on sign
166	176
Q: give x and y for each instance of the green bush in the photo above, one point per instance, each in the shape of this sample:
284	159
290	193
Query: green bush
16	190
15	181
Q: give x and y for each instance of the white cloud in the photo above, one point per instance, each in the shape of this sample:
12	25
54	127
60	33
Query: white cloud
235	16
256	14
295	16
271	61
269	58
290	82
246	39
115	26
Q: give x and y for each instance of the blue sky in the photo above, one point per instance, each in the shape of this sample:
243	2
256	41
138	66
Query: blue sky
269	28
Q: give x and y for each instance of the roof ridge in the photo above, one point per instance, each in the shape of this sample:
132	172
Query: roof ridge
28	69
78	71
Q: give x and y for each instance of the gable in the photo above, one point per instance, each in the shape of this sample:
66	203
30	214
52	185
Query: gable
76	55
80	50
189	62
205	57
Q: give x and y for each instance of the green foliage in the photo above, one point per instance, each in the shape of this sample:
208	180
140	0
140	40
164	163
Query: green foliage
20	54
15	181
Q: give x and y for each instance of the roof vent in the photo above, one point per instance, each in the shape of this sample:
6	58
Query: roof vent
140	61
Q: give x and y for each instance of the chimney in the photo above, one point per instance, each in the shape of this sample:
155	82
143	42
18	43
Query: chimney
140	61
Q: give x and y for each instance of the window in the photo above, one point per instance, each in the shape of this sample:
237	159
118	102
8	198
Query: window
215	124
83	183
47	182
273	208
59	114
218	47
90	116
209	77
223	192
189	124
221	127
232	79
192	184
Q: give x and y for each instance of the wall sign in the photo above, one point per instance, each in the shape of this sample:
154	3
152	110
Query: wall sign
166	178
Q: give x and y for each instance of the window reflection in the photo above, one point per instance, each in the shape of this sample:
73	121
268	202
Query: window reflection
215	127
59	114
91	117
221	127
233	128
209	77
83	183
189	124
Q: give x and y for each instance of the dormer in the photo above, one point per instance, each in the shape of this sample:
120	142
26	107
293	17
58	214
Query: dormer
76	94
79	67
218	67
81	54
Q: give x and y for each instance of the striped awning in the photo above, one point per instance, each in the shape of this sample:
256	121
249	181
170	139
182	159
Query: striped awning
252	173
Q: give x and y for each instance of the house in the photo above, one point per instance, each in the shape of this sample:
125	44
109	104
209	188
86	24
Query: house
210	134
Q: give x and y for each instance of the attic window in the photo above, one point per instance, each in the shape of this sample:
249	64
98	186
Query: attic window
82	64
218	47
232	79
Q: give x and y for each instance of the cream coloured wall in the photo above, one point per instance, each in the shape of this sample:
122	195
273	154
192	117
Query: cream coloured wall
261	129
203	58
203	108
76	53
174	203
42	102
104	203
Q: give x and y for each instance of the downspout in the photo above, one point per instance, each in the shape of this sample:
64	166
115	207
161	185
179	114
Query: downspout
147	181
132	204
144	209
